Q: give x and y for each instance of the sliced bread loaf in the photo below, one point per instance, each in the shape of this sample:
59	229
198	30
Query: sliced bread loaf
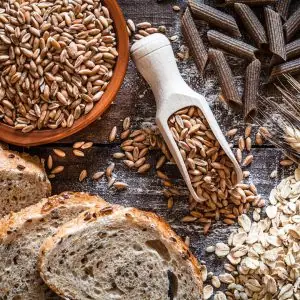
23	181
119	253
21	235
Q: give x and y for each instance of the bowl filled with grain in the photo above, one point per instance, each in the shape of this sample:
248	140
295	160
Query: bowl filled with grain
62	63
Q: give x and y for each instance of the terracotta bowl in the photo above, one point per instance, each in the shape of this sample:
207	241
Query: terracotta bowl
37	137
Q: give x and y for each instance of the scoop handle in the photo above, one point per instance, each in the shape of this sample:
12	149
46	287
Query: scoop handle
155	60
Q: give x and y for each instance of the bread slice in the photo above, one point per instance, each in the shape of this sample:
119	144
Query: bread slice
119	253
21	235
23	181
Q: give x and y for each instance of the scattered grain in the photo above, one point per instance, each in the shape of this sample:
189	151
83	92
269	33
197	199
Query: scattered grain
83	175
59	153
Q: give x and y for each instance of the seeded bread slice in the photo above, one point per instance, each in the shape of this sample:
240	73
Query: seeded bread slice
21	235
119	253
23	181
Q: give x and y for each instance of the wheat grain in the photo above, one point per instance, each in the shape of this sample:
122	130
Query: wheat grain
55	69
292	137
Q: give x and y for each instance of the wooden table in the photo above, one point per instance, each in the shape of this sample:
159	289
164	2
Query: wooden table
135	99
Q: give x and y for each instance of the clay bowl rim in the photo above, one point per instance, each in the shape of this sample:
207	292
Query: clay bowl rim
45	136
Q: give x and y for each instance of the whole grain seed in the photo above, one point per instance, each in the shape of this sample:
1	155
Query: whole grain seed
111	182
118	155
259	139
78	145
120	185
98	175
109	170
83	175
78	153
57	170
241	143
128	163
52	65
113	134
170	202
231	132
161	175
144	168
248	143
87	145
125	134
139	162
248	131
126	123
239	155
50	162
161	162
248	160
286	162
143	25
131	25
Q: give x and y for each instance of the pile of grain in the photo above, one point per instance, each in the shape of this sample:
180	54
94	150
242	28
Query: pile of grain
222	203
56	60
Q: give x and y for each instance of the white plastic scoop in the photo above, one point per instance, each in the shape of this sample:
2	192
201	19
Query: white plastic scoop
154	58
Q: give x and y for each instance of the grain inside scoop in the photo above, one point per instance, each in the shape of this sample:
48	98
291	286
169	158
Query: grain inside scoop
186	121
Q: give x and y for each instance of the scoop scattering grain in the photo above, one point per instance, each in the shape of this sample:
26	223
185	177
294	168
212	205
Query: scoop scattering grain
56	60
220	203
209	167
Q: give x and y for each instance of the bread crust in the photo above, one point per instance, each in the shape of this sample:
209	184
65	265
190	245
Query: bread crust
137	217
12	160
31	170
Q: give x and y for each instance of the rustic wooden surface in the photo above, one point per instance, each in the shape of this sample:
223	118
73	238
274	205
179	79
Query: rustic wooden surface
136	100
